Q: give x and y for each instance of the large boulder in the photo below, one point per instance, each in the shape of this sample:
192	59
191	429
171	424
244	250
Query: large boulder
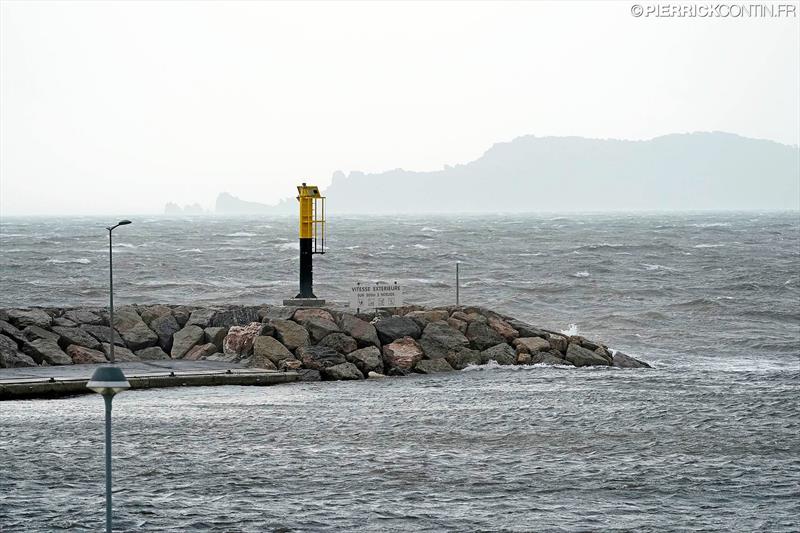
271	349
341	372
531	345
42	350
548	358
503	328
83	316
439	339
433	366
165	327
455	323
22	318
464	357
11	357
301	315
278	312
235	316
10	331
402	353
367	359
64	322
396	327
76	336
262	362
185	339
319	357
620	360
200	352
33	333
216	336
580	356
503	354
340	342
121	354
81	355
103	334
154	353
362	331
309	374
151	312
525	329
240	339
291	334
133	330
182	314
423	318
319	328
481	336
558	343
290	365
201	317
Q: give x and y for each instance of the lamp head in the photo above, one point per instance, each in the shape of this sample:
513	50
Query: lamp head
108	380
123	222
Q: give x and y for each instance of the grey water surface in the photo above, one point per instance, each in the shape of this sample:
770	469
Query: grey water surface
707	440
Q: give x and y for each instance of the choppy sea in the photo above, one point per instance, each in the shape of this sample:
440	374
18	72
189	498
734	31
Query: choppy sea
707	440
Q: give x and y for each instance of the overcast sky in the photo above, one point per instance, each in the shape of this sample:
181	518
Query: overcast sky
120	107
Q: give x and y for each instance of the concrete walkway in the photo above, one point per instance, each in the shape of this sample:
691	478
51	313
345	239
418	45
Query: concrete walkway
54	381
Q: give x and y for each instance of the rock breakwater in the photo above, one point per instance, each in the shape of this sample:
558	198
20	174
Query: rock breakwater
319	343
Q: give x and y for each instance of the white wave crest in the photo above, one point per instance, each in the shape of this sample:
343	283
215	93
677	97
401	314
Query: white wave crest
80	260
709	245
288	246
241	234
571	330
191	250
420	246
582	274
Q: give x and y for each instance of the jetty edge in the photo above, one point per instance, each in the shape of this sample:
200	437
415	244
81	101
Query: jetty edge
327	343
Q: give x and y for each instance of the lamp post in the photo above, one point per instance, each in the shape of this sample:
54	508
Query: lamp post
111	285
108	380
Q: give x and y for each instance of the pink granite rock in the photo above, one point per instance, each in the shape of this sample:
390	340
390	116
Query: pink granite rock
403	353
85	356
240	339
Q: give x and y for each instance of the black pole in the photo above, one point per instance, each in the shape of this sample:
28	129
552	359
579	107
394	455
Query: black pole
306	270
111	292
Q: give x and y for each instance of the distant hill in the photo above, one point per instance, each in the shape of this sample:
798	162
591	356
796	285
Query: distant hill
673	172
694	171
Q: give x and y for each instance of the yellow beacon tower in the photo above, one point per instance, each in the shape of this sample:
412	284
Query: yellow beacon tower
312	241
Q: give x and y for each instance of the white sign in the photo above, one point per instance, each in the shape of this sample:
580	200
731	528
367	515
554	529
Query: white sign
373	296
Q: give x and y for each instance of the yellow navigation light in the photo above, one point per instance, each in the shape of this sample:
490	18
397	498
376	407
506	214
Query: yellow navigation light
312	216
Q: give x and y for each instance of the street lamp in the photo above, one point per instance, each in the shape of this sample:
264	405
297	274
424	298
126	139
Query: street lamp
108	380
111	285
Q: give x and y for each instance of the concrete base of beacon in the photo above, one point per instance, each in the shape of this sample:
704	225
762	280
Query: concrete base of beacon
304	302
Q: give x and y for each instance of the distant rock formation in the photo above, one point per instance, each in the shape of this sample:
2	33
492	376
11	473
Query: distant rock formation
673	172
227	204
174	209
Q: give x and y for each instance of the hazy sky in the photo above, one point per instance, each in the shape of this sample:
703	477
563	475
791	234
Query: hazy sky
120	107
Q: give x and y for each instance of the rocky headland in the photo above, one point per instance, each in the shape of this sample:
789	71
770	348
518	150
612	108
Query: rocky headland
318	343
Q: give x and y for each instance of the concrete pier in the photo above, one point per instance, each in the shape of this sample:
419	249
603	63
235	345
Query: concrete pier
55	381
